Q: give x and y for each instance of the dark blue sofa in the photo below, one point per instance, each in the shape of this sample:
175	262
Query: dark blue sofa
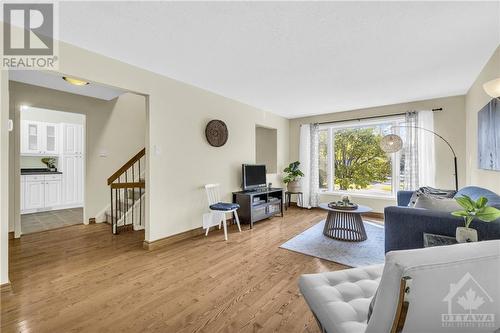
404	226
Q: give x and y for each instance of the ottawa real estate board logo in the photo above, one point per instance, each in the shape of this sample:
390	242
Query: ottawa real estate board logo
469	305
29	36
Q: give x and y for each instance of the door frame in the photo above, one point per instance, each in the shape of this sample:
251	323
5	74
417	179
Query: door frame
17	165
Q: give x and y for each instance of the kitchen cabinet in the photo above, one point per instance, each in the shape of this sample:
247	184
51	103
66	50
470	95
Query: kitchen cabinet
34	195
39	138
72	168
50	138
40	193
72	139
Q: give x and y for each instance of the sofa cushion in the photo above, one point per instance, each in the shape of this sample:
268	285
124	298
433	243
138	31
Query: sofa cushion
340	299
437	204
430	191
475	193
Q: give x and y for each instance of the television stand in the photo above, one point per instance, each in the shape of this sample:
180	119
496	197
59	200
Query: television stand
259	204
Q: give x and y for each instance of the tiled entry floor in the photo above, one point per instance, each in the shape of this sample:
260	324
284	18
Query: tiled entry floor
50	220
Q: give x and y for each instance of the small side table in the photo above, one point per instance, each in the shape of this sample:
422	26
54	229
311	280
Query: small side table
345	225
431	240
288	198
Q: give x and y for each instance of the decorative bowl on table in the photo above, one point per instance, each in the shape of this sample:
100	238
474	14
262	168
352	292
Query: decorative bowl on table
343	205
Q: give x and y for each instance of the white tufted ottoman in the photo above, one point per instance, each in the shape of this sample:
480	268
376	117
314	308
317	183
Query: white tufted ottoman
340	299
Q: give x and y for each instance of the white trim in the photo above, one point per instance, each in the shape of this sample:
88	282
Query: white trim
359	195
395	158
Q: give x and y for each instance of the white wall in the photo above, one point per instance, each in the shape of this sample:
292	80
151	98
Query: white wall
180	159
266	148
475	99
51	116
450	123
4	183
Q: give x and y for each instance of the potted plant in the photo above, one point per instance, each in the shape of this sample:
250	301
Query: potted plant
50	162
292	175
473	209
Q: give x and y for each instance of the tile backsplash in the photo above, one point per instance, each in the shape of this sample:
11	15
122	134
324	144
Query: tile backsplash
33	162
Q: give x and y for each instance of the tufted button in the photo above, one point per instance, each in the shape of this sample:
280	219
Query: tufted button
340	299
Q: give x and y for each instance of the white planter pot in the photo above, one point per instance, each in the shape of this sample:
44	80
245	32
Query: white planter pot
293	186
465	235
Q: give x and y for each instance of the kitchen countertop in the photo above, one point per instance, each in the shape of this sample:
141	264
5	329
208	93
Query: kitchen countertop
40	171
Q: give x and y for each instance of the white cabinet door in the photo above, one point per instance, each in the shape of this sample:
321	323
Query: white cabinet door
34	195
79	179
50	139
69	164
31	137
69	138
72	139
52	193
79	140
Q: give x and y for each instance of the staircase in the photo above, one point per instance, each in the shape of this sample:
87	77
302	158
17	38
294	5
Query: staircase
126	209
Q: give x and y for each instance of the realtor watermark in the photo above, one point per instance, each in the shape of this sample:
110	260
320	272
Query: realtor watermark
468	305
29	35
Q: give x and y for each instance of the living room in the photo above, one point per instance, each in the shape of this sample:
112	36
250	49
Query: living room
274	87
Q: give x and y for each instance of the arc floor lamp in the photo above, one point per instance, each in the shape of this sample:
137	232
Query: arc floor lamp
392	143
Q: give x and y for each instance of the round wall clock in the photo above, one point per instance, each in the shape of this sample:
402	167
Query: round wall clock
216	133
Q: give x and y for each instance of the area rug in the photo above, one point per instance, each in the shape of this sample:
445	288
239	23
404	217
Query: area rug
312	242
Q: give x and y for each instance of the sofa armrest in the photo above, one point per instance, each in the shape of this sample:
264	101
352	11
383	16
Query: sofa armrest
404	197
404	227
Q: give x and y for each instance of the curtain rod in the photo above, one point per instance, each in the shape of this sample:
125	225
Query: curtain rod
372	117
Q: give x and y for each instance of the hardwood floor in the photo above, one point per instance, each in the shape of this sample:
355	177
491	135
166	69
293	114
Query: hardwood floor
84	279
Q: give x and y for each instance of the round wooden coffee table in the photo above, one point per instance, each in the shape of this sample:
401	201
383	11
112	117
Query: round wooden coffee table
346	225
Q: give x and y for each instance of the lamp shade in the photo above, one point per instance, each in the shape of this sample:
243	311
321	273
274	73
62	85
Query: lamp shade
492	88
391	143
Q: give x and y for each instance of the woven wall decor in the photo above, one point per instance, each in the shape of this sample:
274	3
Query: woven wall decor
216	133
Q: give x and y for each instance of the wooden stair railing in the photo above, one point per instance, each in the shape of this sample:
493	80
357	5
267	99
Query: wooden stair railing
126	186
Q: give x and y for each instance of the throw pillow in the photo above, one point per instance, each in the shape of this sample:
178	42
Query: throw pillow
447	205
430	191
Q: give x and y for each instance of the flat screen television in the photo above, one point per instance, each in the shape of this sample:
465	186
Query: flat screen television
254	176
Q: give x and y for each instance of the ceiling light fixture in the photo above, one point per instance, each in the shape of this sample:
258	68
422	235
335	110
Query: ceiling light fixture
492	88
75	82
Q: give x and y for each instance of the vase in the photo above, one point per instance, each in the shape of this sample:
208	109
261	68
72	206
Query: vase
465	235
293	186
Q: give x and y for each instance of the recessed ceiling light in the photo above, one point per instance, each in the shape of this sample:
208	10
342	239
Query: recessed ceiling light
76	82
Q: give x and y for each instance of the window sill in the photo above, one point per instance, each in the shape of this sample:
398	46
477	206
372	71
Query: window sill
360	195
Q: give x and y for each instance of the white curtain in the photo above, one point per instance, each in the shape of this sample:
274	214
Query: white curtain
309	158
410	148
426	150
419	151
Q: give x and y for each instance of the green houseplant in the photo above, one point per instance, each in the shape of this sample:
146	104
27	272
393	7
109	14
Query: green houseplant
292	175
471	210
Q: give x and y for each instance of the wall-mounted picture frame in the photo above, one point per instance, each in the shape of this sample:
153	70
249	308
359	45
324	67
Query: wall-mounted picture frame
488	136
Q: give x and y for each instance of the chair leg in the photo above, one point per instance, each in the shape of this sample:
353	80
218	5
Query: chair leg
225	226
206	232
237	220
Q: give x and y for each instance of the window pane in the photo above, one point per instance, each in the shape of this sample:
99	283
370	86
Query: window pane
361	166
323	159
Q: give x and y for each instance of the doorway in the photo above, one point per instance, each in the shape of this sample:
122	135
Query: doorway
52	163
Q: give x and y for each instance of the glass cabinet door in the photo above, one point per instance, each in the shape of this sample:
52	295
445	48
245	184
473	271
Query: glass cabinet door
50	138
33	142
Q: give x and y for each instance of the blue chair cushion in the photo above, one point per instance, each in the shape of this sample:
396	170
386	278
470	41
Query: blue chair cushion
224	206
